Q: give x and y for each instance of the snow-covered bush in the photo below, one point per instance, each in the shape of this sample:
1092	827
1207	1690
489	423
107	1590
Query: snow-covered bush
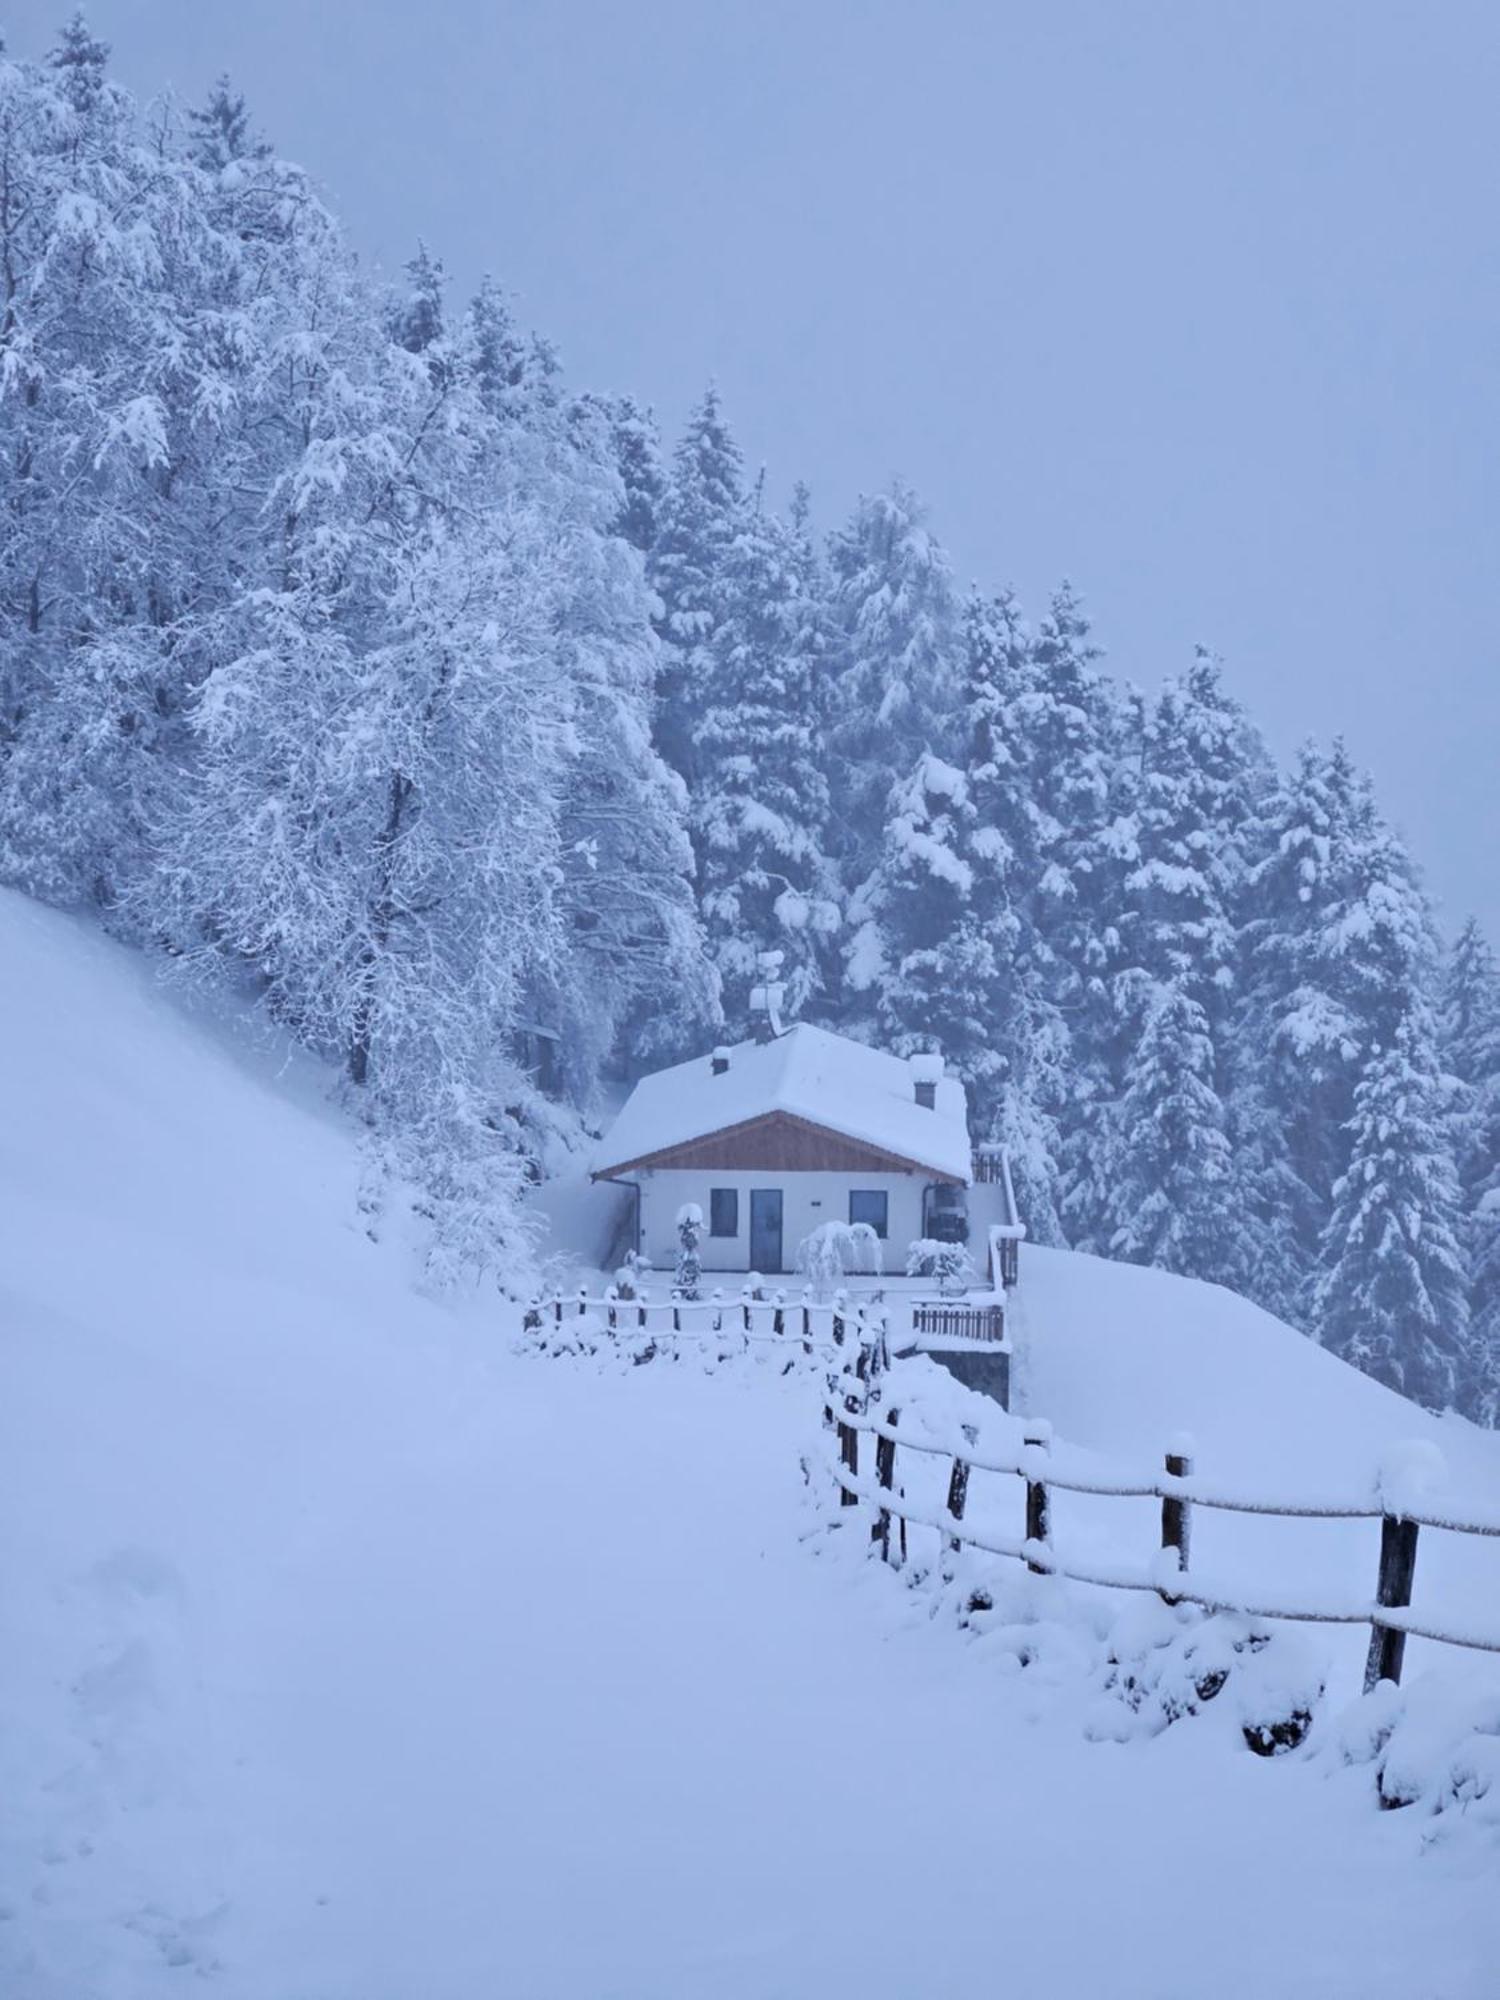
1169	1661
630	1278
689	1264
1433	1744
833	1250
949	1263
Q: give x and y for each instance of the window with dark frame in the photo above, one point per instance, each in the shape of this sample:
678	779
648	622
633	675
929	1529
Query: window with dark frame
871	1205
723	1211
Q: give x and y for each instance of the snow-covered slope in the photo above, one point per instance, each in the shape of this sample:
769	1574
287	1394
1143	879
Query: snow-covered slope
348	1656
1120	1359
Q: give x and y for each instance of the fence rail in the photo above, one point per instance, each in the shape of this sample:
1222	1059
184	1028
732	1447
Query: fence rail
1388	1614
952	1320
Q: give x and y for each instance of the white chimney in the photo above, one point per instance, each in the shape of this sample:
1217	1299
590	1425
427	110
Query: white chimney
766	999
926	1075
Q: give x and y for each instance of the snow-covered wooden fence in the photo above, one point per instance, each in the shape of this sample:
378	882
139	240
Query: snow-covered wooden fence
955	1319
802	1323
1169	1574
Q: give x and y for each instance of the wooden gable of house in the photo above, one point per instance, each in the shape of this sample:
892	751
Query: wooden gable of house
781	1142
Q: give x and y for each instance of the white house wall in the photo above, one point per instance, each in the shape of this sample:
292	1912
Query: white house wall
807	1199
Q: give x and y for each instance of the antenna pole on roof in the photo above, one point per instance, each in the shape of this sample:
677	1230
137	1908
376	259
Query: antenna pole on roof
766	999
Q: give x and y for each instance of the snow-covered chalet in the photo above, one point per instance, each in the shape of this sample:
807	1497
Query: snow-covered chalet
795	1127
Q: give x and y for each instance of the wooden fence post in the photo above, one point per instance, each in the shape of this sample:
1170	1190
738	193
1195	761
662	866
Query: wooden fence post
583	1300
885	1473
1398	1562
745	1306
611	1309
1037	1439
640	1313
557	1309
1176	1511
849	1454
778	1313
532	1323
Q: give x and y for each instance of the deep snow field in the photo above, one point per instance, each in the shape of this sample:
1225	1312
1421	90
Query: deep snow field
348	1654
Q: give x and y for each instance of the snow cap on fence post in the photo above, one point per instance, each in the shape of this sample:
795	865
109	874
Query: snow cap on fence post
1176	1515
1407	1474
1036	1443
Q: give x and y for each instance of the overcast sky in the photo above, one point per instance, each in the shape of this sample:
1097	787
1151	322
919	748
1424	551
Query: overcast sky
1196	303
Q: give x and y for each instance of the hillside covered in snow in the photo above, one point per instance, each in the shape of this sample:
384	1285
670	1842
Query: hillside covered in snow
352	1655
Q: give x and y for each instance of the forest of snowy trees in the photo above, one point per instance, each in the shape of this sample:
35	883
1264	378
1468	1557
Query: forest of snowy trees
348	656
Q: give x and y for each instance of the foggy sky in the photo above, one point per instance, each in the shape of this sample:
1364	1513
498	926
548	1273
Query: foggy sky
1195	303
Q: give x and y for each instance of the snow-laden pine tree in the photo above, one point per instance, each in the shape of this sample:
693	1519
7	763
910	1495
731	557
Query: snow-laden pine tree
1338	944
925	968
1470	1043
1017	1073
696	523
946	942
1391	1292
1082	773
1180	1204
759	795
1201	768
894	678
642	469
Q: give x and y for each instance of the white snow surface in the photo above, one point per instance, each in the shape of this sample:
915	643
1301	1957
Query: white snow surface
348	1655
809	1072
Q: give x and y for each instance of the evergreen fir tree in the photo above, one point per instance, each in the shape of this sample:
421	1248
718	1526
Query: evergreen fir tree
696	526
926	968
1200	767
222	132
1178	1202
1470	1040
1082	790
894	680
1017	1078
642	470
1338	946
760	801
1391	1293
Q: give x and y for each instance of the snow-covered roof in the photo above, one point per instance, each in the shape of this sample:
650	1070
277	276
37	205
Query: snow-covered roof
808	1073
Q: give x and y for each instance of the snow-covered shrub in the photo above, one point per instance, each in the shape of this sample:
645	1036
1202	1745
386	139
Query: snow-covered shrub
834	1249
630	1278
689	1264
1169	1661
949	1263
1433	1744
